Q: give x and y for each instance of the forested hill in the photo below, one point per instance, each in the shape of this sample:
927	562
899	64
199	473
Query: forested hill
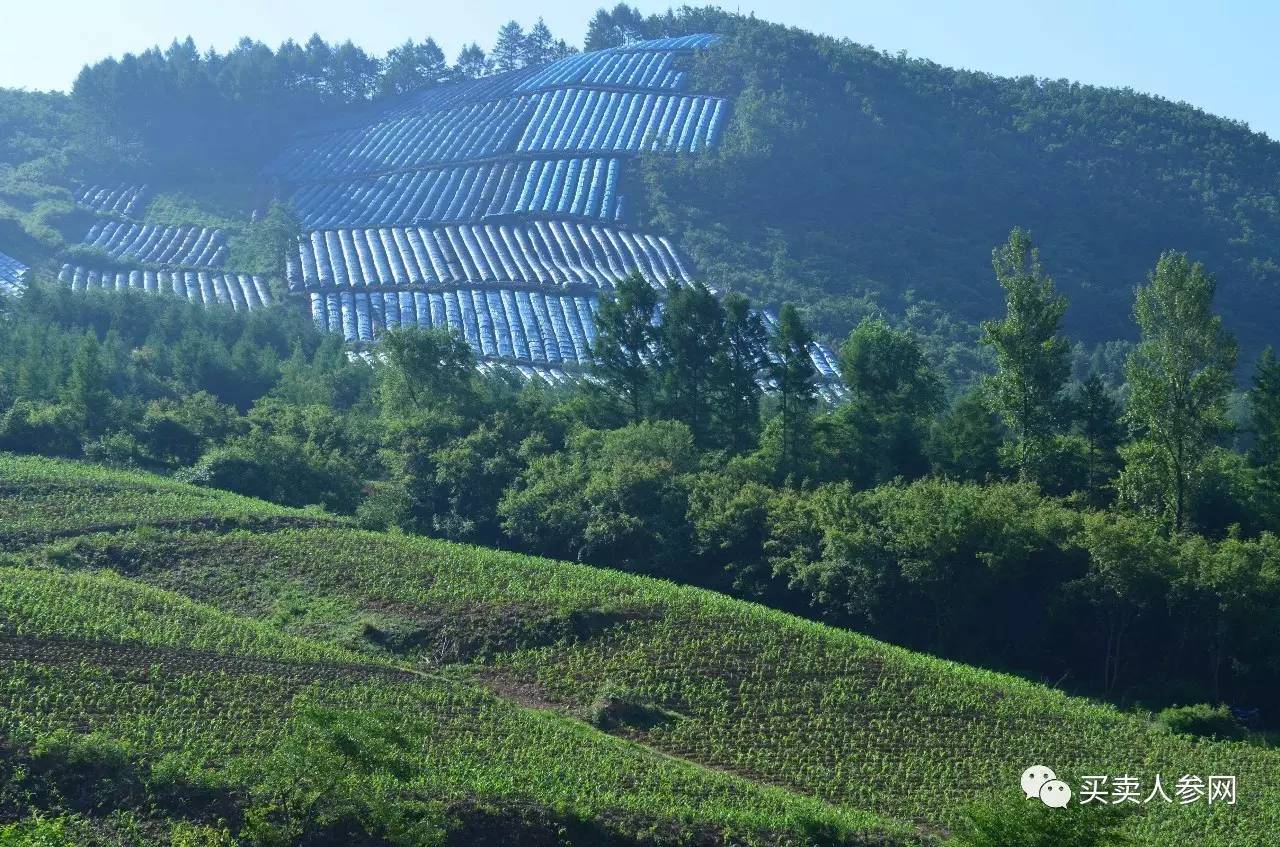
846	180
850	177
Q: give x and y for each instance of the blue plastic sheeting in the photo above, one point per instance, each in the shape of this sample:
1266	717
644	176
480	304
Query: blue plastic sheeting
467	132
620	67
119	200
181	246
12	273
542	253
697	41
498	323
588	120
241	292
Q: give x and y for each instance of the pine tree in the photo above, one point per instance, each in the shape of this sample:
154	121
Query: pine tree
1264	412
413	67
690	339
738	368
1098	415
86	389
509	50
472	63
621	351
793	371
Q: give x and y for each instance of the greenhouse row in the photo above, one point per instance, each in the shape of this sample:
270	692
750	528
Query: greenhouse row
525	325
625	69
126	201
472	131
12	273
240	291
540	253
578	187
188	246
622	121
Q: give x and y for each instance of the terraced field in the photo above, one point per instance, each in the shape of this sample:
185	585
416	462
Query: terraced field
843	721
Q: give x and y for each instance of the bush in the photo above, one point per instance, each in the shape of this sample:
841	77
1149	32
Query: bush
1202	720
34	427
278	469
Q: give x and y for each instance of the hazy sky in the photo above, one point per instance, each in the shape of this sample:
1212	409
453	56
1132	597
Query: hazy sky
1221	56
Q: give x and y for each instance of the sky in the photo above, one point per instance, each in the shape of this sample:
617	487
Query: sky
1220	55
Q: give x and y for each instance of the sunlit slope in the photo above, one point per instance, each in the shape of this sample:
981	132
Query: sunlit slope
161	707
730	685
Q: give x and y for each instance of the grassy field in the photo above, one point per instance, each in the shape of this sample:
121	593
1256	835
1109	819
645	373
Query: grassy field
464	674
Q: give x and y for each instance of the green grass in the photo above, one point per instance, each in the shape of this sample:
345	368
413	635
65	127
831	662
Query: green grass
829	715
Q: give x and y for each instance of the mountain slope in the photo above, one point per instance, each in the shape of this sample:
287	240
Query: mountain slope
779	701
848	177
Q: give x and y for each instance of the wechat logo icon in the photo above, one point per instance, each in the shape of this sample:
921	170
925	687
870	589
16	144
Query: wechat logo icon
1039	782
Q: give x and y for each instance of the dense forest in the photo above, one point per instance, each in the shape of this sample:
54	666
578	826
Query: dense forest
1119	532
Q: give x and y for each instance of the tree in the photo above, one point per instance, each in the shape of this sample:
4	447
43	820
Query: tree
793	371
895	393
472	62
541	47
739	363
688	345
623	25
1031	357
1098	416
86	389
1179	376
509	50
413	66
965	442
1264	412
624	334
422	369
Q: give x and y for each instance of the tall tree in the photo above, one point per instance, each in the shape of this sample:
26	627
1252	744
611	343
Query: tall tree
1264	412
1032	361
1179	374
622	25
86	389
540	46
896	393
413	66
1098	416
625	333
424	369
793	371
690	339
472	62
509	50
739	364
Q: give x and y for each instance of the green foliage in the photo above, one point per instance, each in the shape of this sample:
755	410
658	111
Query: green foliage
1031	357
1179	377
1011	821
1203	720
624	333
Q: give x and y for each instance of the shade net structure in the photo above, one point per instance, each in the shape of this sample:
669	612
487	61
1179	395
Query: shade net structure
498	207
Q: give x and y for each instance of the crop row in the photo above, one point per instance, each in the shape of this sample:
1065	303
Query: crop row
649	69
240	291
530	326
580	187
823	711
622	121
126	200
543	253
190	246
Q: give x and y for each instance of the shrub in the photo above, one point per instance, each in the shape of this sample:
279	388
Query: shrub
1203	720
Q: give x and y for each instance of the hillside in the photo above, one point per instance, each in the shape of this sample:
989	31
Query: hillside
850	179
427	626
786	165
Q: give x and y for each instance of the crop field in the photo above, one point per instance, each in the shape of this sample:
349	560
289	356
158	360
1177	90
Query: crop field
112	686
821	712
